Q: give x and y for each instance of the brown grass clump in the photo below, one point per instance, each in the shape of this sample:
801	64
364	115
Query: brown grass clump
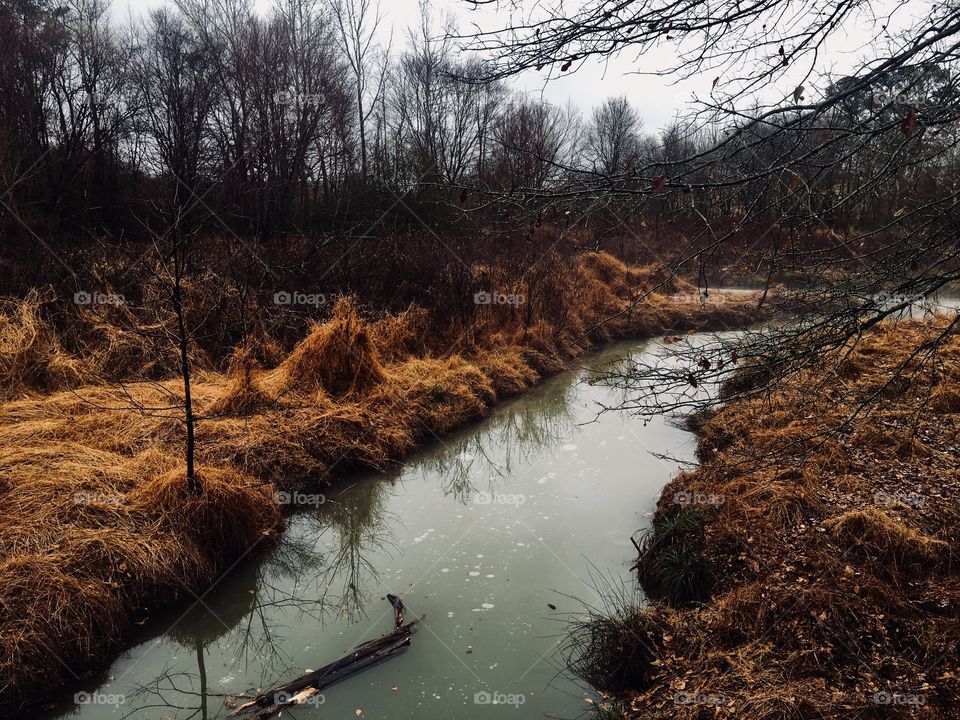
31	356
508	371
615	274
442	393
229	516
876	534
97	537
337	356
402	335
803	576
242	394
127	347
945	399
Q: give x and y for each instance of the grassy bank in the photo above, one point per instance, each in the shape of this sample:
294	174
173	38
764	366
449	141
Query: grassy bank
97	527
821	585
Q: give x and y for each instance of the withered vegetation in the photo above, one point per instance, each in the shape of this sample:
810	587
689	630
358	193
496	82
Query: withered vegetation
96	523
808	568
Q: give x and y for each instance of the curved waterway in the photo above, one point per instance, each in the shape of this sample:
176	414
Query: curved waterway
498	534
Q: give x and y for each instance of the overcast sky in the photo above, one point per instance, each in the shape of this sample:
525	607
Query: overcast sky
657	98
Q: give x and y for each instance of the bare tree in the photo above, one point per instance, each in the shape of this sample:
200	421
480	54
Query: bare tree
358	23
613	136
173	76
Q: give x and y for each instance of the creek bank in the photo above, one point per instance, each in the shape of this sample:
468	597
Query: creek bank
818	577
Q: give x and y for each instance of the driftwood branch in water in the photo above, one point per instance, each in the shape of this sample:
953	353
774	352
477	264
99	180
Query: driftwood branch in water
299	691
398	609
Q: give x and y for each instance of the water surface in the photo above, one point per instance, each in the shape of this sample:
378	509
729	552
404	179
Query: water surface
497	534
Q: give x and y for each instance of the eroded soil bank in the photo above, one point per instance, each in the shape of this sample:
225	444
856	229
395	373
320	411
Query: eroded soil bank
808	568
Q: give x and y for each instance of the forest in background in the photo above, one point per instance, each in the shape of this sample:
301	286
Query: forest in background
312	130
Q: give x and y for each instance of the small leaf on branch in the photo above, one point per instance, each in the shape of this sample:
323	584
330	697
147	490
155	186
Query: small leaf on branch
909	125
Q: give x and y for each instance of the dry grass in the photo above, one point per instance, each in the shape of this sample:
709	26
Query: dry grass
829	578
31	356
92	537
338	357
355	392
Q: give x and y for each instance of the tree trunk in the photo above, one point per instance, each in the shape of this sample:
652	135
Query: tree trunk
192	482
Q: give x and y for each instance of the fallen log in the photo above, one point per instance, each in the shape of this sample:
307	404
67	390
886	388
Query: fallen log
299	691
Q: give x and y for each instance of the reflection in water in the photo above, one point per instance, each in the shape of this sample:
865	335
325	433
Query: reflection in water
203	624
510	437
489	576
315	574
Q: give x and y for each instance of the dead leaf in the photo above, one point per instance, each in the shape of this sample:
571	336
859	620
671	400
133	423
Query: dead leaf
909	125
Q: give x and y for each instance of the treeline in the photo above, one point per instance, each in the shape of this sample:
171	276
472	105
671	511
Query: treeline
292	121
311	119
